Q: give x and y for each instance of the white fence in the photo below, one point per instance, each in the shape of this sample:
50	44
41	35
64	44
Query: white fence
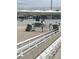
50	52
25	46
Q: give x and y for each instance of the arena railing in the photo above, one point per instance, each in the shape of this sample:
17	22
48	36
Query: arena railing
25	46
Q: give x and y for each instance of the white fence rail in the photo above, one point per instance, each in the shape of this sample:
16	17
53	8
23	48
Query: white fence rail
25	46
50	52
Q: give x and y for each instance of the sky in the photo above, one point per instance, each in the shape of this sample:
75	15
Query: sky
38	3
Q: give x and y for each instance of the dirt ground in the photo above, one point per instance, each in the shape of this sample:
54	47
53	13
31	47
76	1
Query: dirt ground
23	35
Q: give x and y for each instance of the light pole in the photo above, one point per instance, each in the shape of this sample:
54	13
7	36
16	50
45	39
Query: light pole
51	4
51	8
